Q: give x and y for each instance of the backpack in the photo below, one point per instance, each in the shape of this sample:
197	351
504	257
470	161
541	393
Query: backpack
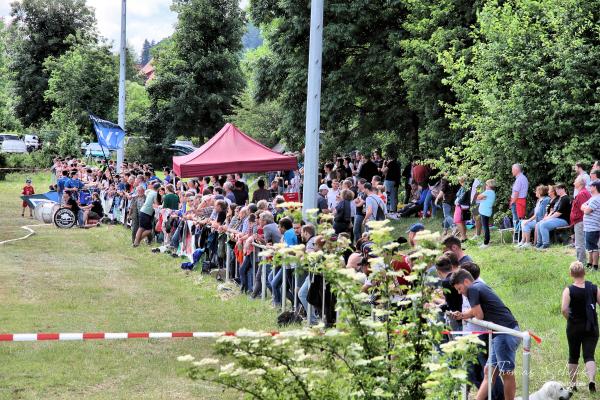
380	213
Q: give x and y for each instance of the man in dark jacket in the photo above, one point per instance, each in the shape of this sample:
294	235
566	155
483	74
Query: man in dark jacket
368	169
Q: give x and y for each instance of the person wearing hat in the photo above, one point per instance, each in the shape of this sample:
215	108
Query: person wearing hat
322	199
486	206
28	190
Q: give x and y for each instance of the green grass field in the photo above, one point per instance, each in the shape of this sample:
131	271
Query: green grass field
92	280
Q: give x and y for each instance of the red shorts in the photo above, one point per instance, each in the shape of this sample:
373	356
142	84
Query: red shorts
521	208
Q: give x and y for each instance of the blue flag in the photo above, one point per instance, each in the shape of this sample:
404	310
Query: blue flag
110	135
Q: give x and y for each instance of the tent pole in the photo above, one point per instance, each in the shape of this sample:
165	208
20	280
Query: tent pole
313	107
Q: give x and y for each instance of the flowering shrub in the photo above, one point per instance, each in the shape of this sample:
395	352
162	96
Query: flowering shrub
387	341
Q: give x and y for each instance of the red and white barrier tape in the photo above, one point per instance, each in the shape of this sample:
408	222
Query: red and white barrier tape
34	337
535	337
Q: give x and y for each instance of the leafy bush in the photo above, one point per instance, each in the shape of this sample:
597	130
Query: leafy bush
36	159
387	343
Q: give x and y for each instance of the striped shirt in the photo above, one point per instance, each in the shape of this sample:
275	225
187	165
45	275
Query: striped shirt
591	221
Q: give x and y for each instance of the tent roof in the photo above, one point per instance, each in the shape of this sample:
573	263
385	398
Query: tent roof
231	151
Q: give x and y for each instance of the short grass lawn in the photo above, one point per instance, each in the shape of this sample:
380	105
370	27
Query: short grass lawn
92	280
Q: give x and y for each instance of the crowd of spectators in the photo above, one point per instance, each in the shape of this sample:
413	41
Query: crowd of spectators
220	220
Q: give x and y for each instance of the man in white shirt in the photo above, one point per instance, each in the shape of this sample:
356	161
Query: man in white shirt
333	193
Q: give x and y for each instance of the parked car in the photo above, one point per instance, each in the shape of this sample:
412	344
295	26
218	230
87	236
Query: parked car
32	142
94	150
182	147
11	143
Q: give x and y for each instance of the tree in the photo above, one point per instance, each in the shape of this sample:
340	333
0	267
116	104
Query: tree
145	58
136	110
529	93
198	71
434	27
38	31
82	80
7	118
362	90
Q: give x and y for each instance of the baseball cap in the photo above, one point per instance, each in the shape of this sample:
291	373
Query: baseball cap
323	187
414	228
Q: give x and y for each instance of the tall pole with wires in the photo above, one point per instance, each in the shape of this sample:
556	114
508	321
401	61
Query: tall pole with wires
313	107
122	61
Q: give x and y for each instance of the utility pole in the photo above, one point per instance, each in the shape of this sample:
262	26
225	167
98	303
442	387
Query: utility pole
313	107
122	61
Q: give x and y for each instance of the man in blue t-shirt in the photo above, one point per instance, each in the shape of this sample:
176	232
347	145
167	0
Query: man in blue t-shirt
60	185
286	227
487	306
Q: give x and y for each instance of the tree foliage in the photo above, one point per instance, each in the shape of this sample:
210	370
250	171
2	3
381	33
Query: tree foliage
530	91
38	31
7	118
83	80
198	71
362	90
136	108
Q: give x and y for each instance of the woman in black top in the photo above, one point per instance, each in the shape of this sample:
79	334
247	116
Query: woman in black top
343	212
579	309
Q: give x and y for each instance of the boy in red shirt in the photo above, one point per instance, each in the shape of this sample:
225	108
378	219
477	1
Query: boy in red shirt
27	191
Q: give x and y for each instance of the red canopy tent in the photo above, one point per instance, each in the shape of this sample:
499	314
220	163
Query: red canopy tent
231	151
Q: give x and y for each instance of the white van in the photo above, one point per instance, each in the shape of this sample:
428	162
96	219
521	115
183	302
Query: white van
10	143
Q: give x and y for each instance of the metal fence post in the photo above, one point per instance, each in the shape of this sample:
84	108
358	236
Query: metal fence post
308	305
295	289
323	317
489	365
264	280
253	269
283	289
227	262
526	365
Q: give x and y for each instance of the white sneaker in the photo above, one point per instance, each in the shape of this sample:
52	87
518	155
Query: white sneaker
519	245
484	246
526	245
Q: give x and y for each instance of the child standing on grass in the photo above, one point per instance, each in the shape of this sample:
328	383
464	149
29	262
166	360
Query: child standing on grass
27	191
486	206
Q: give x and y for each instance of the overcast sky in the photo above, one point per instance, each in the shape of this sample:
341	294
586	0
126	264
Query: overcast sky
146	19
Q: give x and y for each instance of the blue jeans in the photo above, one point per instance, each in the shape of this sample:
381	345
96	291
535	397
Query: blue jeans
391	190
275	279
504	348
303	296
429	205
357	229
448	221
544	228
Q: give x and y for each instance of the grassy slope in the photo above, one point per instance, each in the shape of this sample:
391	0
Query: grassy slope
92	280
